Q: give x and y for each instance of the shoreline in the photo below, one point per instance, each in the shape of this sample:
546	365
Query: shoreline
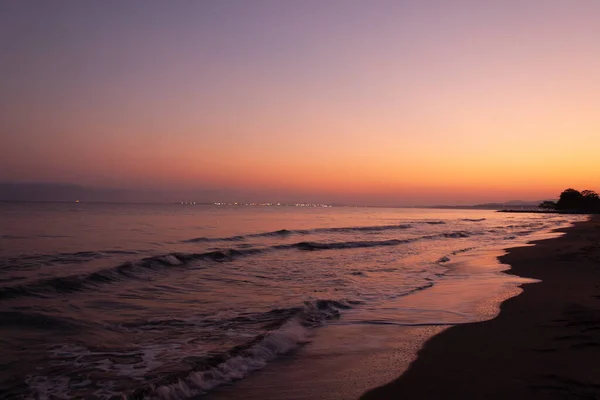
544	343
536	211
343	360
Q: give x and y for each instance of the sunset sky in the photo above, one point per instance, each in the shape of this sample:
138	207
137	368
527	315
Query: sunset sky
373	102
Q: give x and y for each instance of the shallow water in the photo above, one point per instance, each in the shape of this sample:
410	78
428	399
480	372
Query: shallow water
172	301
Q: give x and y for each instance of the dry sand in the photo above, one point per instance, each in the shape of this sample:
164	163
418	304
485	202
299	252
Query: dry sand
545	344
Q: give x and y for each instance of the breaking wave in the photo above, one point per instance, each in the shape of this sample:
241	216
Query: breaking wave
289	329
311	246
446	259
128	270
135	269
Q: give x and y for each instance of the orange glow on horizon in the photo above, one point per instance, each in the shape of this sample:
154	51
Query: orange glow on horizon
377	103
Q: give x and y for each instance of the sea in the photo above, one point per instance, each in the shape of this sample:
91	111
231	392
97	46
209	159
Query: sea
182	301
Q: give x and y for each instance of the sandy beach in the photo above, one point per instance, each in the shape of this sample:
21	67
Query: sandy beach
545	344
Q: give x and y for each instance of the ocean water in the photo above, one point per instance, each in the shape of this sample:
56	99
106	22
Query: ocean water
102	301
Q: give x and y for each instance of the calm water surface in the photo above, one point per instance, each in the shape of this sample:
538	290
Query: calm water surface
101	301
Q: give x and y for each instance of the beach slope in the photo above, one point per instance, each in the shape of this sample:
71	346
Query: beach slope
545	344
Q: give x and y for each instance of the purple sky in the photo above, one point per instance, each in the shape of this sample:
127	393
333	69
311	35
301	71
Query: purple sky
364	101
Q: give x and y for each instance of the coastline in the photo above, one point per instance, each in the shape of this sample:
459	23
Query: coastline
544	344
345	359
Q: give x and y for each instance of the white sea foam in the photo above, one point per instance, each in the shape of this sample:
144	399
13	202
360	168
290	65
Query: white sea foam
187	317
171	259
281	341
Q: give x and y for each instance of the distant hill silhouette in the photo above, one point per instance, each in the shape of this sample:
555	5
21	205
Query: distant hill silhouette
495	206
60	192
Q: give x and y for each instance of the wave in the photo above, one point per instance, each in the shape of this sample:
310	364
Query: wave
128	270
455	252
312	246
135	269
209	240
364	228
15	237
289	232
29	261
527	225
526	232
445	259
473	219
291	330
456	234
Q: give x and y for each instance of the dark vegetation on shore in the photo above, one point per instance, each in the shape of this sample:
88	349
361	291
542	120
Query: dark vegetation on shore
572	200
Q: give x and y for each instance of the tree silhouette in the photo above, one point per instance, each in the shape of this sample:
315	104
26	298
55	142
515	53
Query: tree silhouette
573	200
547	205
570	199
591	200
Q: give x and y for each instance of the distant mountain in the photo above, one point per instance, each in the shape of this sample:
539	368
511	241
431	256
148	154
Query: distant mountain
508	204
516	204
11	191
65	192
522	203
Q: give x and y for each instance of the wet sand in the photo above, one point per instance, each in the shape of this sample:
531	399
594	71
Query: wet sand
348	357
334	366
545	344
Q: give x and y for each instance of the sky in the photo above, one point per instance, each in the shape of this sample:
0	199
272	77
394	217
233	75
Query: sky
375	102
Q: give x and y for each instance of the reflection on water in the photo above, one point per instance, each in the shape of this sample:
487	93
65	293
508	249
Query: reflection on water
172	301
